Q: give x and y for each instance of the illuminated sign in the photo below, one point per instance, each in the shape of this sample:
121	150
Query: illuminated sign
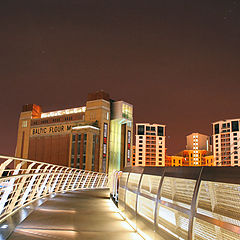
105	133
129	146
63	112
51	129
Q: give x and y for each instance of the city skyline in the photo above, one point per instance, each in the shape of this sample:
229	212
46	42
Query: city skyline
176	62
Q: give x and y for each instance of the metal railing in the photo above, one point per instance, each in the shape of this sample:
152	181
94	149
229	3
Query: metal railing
173	203
23	181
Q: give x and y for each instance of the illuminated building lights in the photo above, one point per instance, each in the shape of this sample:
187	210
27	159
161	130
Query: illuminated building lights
63	112
83	127
4	226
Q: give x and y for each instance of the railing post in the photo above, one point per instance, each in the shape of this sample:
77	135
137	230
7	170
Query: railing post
35	190
73	175
94	180
65	182
48	186
60	182
9	188
138	192
57	177
157	200
19	189
90	180
80	181
194	205
79	173
4	165
45	181
30	184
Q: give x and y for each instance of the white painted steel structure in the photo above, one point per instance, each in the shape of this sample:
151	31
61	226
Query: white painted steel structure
32	180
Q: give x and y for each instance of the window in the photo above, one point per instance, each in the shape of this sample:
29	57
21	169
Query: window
140	154
160	131
140	145
84	151
152	128
140	150
235	157
148	128
216	129
235	126
234	134
140	158
24	124
78	162
78	144
140	137
235	148
235	138
141	130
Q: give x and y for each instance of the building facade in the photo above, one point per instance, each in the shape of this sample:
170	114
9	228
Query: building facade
133	155
226	142
197	146
197	153
150	144
78	137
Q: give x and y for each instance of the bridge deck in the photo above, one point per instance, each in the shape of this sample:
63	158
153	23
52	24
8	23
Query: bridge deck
87	214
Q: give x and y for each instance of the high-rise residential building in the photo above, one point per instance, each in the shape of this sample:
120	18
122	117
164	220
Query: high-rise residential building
197	153
150	144
198	141
197	145
82	137
226	142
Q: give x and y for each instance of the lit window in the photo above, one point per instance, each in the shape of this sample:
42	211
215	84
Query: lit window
24	124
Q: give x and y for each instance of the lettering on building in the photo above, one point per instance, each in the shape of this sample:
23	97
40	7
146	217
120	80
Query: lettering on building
51	130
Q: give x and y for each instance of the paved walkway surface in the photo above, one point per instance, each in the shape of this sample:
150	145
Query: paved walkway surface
87	214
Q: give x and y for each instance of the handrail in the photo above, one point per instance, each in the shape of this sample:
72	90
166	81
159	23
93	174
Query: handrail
181	202
23	181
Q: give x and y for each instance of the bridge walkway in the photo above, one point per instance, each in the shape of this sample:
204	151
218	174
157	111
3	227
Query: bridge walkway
84	214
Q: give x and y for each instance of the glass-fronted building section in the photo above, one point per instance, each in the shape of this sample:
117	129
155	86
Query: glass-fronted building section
120	135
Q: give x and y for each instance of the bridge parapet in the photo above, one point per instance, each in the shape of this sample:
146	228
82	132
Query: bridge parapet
32	180
181	202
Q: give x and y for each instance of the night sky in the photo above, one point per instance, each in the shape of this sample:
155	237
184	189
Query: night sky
176	61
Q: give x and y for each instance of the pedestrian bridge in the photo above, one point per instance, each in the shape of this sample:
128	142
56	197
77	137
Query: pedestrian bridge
45	201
